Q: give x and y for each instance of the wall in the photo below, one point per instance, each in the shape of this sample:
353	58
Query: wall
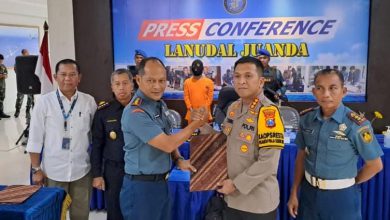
96	54
24	13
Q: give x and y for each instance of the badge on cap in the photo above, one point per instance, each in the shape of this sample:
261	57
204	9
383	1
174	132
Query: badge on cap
112	135
244	148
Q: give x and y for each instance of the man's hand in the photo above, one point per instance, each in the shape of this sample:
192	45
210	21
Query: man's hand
200	116
38	178
227	187
293	205
98	183
185	165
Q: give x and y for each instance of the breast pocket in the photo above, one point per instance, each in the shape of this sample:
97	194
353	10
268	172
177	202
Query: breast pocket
339	152
83	120
309	137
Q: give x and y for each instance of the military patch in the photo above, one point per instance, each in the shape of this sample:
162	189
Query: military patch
355	117
112	135
102	105
244	148
226	129
366	135
270	128
306	111
137	101
137	110
250	120
269	115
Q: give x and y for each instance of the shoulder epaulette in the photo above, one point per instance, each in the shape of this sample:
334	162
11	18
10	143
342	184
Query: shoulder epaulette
137	102
355	117
306	111
103	105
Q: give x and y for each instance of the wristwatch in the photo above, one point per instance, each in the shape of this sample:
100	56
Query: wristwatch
179	158
35	169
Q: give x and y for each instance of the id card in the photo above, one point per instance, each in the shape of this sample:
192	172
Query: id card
65	143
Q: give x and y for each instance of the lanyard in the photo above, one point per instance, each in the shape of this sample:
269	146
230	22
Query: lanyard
66	116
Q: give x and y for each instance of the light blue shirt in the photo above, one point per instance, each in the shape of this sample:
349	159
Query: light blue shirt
142	120
333	146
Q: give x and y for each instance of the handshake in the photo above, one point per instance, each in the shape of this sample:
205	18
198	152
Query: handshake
200	116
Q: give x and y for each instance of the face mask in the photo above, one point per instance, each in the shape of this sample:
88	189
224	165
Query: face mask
197	68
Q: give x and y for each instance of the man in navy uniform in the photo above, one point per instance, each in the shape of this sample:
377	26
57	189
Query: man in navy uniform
139	55
274	84
331	139
107	143
150	147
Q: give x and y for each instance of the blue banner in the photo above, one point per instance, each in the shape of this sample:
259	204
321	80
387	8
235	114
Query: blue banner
303	36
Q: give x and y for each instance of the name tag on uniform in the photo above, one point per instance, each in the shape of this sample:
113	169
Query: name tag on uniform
65	143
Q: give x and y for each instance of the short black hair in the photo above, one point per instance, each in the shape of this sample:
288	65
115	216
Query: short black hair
23	51
141	69
252	60
67	61
328	72
1	57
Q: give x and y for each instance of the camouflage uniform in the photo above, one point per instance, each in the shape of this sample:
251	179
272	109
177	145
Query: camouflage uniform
3	70
19	102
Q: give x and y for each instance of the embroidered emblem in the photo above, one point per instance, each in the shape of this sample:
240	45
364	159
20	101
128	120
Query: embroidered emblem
244	148
137	101
366	135
269	115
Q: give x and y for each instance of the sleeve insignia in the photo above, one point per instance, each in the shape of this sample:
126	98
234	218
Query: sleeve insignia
355	117
366	135
103	104
306	111
137	110
270	128
137	102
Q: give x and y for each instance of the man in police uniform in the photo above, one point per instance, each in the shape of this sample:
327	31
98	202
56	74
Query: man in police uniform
331	139
107	143
149	146
254	130
274	85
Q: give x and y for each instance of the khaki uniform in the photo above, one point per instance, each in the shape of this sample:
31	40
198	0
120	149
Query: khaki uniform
252	168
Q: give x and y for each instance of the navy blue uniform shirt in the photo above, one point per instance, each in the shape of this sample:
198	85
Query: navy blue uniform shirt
334	145
142	120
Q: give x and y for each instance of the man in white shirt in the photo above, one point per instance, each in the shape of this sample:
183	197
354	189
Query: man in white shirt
60	130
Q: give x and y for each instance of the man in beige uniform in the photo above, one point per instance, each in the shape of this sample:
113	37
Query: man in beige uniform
255	137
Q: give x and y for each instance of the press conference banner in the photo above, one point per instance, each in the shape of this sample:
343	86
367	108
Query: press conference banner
303	37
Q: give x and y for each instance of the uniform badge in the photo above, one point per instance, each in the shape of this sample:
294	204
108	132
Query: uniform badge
112	135
244	148
248	137
231	114
227	130
250	120
137	102
269	115
342	127
355	117
366	135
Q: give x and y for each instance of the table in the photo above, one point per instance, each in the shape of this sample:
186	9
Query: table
45	204
375	193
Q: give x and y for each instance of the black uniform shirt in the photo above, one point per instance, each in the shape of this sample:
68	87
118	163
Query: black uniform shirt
107	136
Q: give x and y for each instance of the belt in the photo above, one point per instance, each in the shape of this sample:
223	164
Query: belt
329	184
150	177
